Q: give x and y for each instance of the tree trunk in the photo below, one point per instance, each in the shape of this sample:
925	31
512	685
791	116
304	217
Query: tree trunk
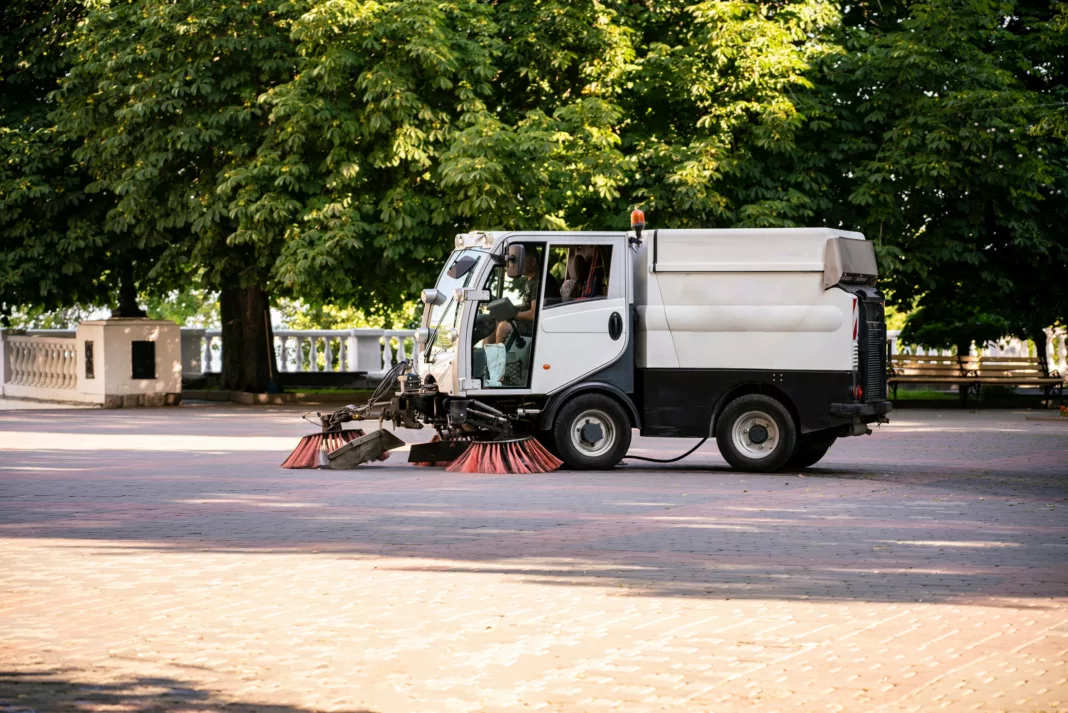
127	294
1041	343
247	361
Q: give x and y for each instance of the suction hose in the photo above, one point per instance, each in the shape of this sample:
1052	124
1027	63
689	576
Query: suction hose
667	460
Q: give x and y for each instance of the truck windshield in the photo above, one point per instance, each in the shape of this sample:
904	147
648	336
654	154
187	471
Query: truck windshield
442	318
447	286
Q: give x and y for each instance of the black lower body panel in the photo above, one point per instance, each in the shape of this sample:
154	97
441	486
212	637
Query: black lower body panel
682	402
872	408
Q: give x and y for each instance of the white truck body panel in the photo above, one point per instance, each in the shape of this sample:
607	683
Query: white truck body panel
710	302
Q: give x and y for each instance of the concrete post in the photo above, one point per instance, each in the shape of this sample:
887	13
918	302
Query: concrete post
192	351
368	350
5	363
352	349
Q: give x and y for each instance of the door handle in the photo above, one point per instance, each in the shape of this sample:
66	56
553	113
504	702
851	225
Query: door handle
615	326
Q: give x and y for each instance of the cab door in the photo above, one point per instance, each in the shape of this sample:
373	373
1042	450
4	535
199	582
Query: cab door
583	323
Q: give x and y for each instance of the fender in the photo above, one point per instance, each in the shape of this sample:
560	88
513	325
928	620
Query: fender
557	400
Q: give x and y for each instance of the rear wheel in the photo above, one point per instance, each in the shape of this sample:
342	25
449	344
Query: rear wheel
592	432
810	449
756	433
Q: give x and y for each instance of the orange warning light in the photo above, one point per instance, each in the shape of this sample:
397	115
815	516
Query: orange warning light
637	219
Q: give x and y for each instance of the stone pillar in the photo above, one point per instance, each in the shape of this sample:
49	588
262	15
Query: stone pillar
368	350
130	362
192	352
5	366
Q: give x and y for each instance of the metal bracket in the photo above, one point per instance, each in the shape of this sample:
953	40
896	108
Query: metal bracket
465	294
466	384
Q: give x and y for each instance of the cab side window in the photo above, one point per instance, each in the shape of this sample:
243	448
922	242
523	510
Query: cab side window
502	351
582	271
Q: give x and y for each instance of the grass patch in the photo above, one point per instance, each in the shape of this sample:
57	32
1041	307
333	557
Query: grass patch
925	395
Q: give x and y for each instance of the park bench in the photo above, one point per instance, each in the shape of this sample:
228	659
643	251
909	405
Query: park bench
1018	371
933	369
971	373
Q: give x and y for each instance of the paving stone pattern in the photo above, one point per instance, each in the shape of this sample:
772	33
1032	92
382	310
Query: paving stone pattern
159	560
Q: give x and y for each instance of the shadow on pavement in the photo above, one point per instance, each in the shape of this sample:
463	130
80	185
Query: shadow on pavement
59	691
878	523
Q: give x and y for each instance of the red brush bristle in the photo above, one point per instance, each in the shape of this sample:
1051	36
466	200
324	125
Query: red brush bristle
312	450
506	457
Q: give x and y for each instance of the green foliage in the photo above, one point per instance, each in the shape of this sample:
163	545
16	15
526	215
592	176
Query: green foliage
948	325
296	314
52	253
328	150
955	165
358	134
38	317
190	307
163	99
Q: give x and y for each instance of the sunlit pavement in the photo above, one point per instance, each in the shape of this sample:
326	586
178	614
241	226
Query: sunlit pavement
160	560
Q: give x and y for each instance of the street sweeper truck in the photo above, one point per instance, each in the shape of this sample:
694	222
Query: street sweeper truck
771	341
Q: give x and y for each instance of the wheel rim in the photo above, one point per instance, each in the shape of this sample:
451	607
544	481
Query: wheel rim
748	431
584	433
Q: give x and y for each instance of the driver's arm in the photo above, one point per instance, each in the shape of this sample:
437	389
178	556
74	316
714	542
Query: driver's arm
528	314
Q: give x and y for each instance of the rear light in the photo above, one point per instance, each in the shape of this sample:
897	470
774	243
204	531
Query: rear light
858	392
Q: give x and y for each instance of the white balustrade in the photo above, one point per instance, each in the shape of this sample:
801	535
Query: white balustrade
47	359
370	350
42	362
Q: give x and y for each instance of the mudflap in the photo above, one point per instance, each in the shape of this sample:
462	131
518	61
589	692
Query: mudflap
437	451
363	449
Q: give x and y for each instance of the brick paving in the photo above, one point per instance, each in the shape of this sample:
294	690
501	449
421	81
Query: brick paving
159	560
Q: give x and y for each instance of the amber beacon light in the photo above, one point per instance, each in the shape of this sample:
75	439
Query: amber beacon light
637	223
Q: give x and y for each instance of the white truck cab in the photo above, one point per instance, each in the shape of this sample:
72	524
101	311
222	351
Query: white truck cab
770	340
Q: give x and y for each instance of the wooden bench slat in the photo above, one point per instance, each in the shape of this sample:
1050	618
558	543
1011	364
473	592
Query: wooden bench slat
970	372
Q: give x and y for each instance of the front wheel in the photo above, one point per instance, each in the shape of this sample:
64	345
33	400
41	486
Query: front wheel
592	432
756	433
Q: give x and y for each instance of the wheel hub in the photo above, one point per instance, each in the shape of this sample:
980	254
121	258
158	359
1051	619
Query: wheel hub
591	433
755	434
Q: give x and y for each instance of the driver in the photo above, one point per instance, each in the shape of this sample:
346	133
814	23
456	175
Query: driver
529	308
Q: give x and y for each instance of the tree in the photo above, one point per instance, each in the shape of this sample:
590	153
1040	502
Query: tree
951	111
53	253
162	98
701	113
349	173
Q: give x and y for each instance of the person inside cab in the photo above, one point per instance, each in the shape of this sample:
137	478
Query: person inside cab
528	308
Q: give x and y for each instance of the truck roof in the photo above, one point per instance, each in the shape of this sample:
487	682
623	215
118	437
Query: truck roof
744	249
705	249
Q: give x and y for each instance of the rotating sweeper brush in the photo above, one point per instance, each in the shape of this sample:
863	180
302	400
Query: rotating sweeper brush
515	455
341	448
472	437
477	438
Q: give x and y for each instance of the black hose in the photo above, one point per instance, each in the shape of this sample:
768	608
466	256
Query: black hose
388	382
668	460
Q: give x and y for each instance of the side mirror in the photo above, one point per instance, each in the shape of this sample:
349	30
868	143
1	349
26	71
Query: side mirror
433	297
517	255
462	266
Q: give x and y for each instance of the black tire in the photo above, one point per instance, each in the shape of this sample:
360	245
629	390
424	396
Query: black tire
741	418
588	450
810	449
